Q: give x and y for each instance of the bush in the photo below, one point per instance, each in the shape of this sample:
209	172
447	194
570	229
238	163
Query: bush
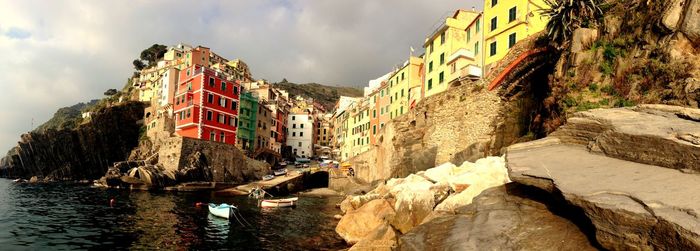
604	102
606	68
587	105
593	87
621	102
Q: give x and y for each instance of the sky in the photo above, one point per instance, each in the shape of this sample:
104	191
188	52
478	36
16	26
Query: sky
59	53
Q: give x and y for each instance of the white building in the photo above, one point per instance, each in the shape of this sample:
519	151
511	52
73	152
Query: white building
300	135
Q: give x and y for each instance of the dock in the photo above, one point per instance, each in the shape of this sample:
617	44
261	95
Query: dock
277	182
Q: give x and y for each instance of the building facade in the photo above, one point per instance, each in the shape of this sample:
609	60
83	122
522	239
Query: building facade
205	105
247	122
300	136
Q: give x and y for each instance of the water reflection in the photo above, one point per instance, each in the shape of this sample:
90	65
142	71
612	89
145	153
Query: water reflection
60	217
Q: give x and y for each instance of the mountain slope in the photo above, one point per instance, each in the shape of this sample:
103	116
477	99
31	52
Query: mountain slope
323	94
67	117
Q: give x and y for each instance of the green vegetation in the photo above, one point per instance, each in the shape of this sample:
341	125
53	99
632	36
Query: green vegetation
324	95
150	56
67	117
565	16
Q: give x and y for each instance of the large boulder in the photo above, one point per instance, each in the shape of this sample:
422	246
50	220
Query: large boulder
357	224
384	237
485	173
582	38
624	168
508	217
672	15
691	21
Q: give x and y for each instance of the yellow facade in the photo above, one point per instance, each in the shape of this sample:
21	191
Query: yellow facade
448	39
468	61
400	84
507	22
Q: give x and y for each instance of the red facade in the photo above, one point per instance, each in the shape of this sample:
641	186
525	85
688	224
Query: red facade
206	105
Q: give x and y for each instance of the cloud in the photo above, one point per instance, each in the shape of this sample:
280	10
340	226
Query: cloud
67	52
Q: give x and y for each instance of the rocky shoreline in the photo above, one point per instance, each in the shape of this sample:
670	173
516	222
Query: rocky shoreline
619	178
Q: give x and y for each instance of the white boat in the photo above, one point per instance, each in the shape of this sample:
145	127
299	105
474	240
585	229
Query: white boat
289	202
222	210
268	177
280	172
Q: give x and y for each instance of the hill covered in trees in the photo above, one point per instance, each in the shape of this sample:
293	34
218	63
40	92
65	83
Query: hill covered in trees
323	94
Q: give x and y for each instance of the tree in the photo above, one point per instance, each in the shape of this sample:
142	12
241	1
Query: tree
110	92
138	64
153	54
565	16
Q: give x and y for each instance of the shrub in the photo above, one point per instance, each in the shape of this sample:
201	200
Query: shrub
587	105
606	68
608	89
621	102
593	87
604	102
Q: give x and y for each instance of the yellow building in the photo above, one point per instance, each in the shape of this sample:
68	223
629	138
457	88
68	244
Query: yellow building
449	38
507	22
400	85
468	61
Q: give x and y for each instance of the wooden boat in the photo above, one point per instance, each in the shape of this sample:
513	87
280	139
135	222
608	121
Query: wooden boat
222	210
289	202
280	172
268	177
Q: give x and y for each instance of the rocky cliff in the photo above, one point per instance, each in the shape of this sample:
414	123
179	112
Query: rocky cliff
81	153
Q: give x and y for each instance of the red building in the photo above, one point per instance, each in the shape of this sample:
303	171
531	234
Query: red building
206	105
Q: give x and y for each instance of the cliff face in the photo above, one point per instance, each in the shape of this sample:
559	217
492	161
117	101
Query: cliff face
82	153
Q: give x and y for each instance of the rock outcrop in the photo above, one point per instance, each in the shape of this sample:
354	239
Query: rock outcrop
632	171
377	218
77	154
507	217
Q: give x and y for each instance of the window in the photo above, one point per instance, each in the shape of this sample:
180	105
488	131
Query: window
493	49
223	86
232	122
430	84
210	115
222	137
382	111
301	125
234	105
478	26
211	82
401	110
235	90
300	146
511	40
391	99
294	117
212	136
374	113
402	77
382	94
442	38
189	113
476	48
430	66
402	93
453	68
223	102
301	134
511	14
188	72
442	77
442	58
210	98
222	118
469	34
494	23
494	2
294	134
374	129
294	125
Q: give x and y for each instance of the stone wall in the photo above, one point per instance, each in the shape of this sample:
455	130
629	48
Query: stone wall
226	163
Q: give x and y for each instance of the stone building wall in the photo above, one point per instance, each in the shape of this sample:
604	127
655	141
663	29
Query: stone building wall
225	162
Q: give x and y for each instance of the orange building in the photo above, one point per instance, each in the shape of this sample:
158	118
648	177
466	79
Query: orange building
379	114
206	105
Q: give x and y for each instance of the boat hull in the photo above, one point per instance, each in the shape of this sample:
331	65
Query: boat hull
222	210
279	203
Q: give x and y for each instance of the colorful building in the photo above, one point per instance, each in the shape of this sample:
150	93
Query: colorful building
247	122
264	124
206	105
358	128
447	39
400	84
507	22
468	61
380	111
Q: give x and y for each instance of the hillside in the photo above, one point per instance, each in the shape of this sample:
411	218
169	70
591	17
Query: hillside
323	94
67	117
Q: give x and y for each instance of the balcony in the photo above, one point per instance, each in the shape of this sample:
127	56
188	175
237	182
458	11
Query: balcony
470	71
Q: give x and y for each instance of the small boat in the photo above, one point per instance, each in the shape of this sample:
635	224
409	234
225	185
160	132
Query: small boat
280	172
289	202
268	177
222	210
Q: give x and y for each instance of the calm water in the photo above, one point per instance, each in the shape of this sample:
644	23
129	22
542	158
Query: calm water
69	217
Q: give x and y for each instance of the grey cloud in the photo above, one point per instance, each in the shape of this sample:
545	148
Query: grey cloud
72	51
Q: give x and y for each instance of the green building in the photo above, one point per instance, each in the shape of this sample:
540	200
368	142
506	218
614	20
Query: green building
247	121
